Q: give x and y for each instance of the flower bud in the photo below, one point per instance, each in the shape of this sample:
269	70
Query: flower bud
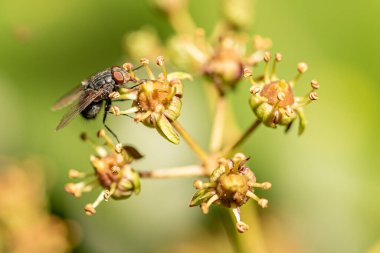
273	100
230	185
112	172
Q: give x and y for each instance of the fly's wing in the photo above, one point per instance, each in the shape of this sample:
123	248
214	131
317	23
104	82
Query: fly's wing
84	101
68	98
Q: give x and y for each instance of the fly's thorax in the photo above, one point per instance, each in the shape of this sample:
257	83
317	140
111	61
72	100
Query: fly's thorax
100	79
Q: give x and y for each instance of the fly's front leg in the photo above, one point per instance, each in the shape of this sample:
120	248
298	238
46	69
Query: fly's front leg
106	110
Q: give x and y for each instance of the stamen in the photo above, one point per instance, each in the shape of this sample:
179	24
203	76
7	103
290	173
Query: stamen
115	169
255	90
278	58
101	151
262	202
118	148
264	186
266	67
205	206
115	110
315	84
130	110
198	184
90	208
172	93
108	193
73	174
240	226
128	94
114	95
129	68
98	164
160	62
145	62
102	134
301	68
77	189
313	95
141	117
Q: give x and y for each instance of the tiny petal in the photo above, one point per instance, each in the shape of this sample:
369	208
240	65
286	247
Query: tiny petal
132	151
180	76
167	130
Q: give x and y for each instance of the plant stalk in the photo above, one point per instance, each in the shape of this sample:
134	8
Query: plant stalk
242	138
198	150
184	171
218	124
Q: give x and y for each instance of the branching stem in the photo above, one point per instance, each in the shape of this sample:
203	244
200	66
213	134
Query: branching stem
185	171
218	124
198	150
242	138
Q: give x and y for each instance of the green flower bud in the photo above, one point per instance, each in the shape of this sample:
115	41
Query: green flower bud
272	99
231	185
225	66
156	102
112	172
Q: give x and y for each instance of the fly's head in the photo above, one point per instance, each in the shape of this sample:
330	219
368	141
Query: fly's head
120	75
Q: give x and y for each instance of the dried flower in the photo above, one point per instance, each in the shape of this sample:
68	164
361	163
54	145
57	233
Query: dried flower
157	102
222	62
112	171
231	185
272	99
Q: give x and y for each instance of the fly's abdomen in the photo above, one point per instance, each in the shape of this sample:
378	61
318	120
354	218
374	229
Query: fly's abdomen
92	110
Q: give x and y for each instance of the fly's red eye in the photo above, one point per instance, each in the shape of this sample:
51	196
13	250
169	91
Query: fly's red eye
118	77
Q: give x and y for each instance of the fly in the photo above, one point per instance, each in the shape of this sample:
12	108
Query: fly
89	96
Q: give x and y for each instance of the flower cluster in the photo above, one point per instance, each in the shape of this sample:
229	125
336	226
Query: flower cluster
112	172
223	59
272	98
230	185
156	101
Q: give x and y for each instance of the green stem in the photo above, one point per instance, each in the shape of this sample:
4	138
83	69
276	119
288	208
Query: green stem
227	219
202	155
242	138
253	239
218	123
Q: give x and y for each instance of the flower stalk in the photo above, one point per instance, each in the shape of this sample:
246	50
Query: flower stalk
198	150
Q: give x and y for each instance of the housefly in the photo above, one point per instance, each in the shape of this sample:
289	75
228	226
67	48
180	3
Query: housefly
87	98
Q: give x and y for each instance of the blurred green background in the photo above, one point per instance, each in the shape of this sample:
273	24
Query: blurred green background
325	195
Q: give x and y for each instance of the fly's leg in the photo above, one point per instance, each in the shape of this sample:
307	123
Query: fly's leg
106	110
